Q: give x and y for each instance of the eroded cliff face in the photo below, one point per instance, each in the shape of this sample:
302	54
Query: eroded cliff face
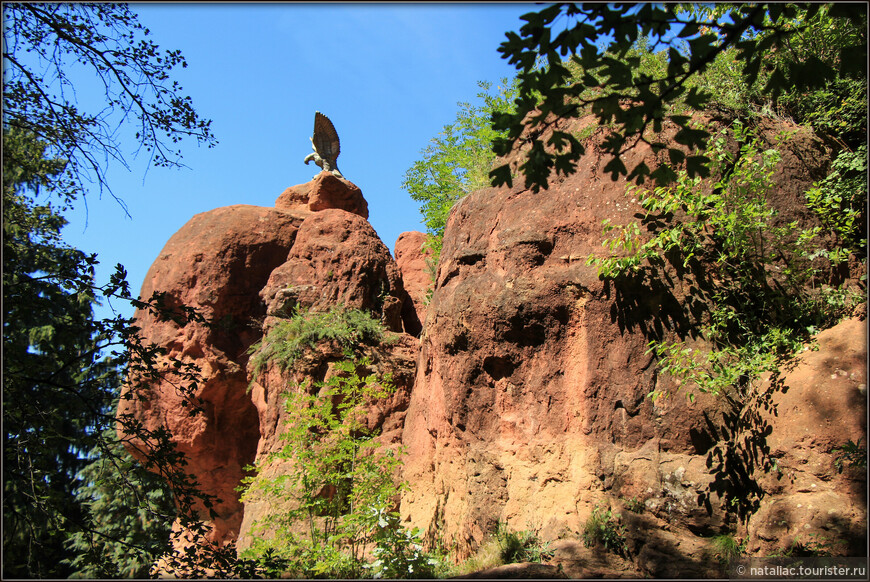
413	262
522	385
813	494
530	405
217	262
244	268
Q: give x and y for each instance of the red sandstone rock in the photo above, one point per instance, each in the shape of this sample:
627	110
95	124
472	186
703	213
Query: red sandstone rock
295	199
328	191
533	373
820	404
220	263
217	262
530	405
337	259
412	261
325	191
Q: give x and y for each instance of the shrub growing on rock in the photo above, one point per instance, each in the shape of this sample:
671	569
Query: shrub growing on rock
289	338
336	493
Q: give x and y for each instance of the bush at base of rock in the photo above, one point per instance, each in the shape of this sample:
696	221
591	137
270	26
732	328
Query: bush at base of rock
329	501
603	528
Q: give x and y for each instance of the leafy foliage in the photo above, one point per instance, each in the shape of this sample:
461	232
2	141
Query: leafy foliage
522	546
287	341
599	38
838	110
61	382
851	453
603	527
832	42
399	552
62	366
726	548
338	483
48	404
457	161
51	49
635	505
760	308
135	510
840	201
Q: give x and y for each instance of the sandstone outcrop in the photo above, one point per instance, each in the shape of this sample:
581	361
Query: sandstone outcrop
522	381
243	267
412	261
217	262
325	191
815	497
533	379
530	405
337	259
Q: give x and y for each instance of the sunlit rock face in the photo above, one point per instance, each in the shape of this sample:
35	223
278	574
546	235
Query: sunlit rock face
522	384
244	268
530	406
336	260
815	494
413	262
217	263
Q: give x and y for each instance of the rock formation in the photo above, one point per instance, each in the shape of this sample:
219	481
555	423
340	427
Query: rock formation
531	399
217	262
243	267
337	259
814	496
325	191
412	261
525	398
530	405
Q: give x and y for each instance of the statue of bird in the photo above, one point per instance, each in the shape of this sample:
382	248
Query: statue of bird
325	144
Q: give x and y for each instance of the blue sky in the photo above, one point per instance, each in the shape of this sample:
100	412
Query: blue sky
388	75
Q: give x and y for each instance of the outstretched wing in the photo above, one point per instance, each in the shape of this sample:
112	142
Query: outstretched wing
325	137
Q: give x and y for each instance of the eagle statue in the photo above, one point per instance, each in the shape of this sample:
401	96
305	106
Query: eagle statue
325	144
